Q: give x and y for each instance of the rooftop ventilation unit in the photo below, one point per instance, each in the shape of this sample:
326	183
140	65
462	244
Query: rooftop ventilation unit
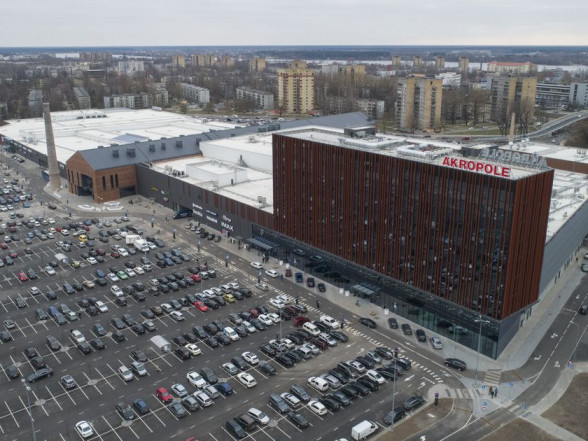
163	146
151	147
179	144
115	153
131	152
100	146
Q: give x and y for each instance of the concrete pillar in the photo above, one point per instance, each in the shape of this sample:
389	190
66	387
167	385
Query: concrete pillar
54	178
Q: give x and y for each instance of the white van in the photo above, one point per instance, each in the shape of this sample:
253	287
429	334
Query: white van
312	329
230	332
362	430
318	383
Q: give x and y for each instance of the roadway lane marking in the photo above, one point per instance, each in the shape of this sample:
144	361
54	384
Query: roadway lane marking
112	429
95	386
12	414
55	399
37	399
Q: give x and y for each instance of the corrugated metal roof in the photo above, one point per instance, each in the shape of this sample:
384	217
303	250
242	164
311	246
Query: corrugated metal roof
168	148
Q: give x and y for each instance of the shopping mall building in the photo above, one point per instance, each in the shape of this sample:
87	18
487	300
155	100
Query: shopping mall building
436	232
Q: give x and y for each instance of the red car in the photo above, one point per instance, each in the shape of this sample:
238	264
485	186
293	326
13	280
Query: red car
196	278
300	320
164	395
59	229
115	254
101	252
288	272
22	277
3	246
254	312
201	306
13	254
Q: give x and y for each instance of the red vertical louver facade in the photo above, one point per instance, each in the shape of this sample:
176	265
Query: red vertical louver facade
473	239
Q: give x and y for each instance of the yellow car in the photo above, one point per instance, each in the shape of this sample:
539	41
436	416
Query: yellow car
229	298
83	238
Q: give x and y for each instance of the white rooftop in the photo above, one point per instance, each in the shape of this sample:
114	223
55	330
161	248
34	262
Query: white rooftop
87	129
238	156
550	151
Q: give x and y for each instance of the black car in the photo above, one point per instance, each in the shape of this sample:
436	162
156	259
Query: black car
330	404
340	375
456	364
178	410
38	362
361	388
200	332
190	337
367	362
298	420
85	348
300	393
284	360
340	397
267	368
125	411
40	374
350	391
406	329
368	322
223	339
139	355
393	323
267	350
53	343
183	353
211	329
384	352
421	336
208	375
395	415
234	428
278	403
257	324
211	341
97	344
240	362
321	287
180	340
412	403
340	336
387	372
295	355
139	328
12	372
370	384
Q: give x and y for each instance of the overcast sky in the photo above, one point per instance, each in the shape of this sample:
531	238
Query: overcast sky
299	22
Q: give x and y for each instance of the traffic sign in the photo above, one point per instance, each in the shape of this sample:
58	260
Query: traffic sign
483	387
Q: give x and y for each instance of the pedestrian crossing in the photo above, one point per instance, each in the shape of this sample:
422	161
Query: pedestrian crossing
492	377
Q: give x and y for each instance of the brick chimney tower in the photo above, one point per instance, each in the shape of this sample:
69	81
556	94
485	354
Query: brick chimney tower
54	178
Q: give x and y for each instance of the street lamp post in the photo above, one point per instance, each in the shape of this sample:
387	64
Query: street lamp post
479	320
393	395
30	410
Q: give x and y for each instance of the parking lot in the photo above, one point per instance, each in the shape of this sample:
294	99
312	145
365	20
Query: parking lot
99	386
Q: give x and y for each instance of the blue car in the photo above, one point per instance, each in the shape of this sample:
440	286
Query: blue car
26	205
168	261
100	274
298	277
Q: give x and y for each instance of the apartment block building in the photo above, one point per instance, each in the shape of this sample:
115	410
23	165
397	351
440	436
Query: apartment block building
506	68
204	60
130	67
227	61
82	98
552	96
128	101
507	93
579	94
450	79
296	88
440	62
263	100
36	103
96	57
417	61
419	103
464	64
195	94
178	61
257	64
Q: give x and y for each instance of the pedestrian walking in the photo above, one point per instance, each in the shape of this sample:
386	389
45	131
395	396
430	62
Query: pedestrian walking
318	305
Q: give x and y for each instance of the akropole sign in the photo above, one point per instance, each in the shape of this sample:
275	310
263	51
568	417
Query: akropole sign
477	166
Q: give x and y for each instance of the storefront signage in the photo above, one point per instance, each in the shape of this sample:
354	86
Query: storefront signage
512	157
154	188
212	213
228	219
197	213
196	206
477	166
212	219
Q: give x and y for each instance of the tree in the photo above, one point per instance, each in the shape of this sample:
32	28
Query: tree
524	113
209	108
579	135
479	99
183	107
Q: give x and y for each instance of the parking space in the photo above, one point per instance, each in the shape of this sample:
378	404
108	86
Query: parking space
99	386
